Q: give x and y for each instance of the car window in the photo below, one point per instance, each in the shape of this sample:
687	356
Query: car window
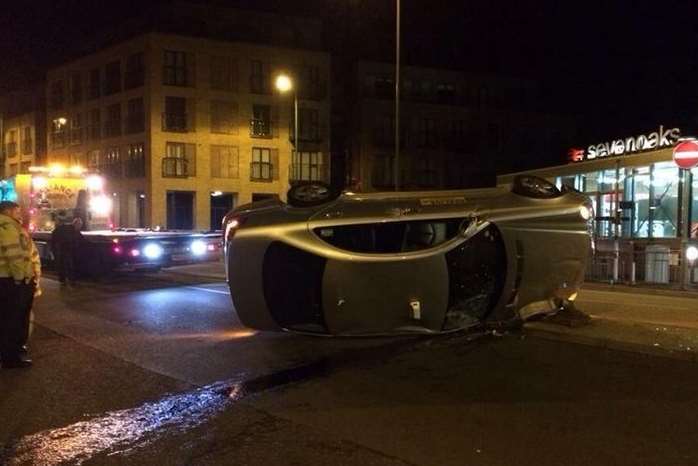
391	237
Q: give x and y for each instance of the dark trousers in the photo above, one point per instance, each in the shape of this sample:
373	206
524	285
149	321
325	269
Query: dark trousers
16	307
65	263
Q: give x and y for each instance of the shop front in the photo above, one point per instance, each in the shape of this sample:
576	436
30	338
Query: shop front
646	209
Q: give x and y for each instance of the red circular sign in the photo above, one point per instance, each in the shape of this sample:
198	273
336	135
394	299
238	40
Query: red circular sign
686	154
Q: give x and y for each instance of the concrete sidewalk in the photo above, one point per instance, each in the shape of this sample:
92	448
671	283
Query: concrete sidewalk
632	319
657	322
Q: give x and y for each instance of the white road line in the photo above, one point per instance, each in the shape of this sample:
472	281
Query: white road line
209	290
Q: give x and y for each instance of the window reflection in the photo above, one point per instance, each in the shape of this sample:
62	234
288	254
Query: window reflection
636	202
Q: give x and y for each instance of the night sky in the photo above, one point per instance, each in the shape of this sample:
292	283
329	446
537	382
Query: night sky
620	67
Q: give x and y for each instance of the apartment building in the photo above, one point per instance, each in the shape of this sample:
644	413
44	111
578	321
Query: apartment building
23	131
456	129
184	128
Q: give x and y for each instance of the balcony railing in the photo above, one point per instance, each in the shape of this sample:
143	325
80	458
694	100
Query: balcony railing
11	149
175	122
260	128
178	167
308	172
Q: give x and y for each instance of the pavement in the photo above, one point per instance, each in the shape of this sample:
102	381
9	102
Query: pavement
641	320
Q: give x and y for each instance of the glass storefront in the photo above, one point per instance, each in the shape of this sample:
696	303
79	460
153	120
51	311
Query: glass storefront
637	202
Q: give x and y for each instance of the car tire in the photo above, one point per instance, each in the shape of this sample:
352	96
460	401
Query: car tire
311	194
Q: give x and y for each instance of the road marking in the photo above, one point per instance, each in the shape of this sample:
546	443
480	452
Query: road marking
206	289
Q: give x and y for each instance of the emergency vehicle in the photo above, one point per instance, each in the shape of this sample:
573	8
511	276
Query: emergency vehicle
54	194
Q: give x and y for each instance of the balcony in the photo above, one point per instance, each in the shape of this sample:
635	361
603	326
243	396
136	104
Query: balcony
11	149
260	128
178	167
175	122
308	172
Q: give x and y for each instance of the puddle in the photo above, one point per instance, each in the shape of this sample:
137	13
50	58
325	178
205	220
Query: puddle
121	431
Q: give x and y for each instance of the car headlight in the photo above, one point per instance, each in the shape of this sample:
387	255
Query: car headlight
584	212
198	247
533	186
152	251
691	253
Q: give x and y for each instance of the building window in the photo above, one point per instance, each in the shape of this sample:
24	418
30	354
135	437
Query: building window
112	78
135	71
95	125
76	129
308	166
311	86
27	141
174	69
259	78
308	125
445	92
224	73
135	119
261	125
76	88
56	98
175	116
179	160
223	116
382	171
264	161
135	161
93	160
384	131
58	131
111	165
384	87
94	88
112	126
427	173
224	162
11	143
427	133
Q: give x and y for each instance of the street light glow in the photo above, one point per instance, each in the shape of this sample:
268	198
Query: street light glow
283	83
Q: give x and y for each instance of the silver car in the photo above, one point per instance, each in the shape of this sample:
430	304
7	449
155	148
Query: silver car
406	262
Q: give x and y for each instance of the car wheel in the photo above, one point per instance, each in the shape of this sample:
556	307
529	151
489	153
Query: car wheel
310	194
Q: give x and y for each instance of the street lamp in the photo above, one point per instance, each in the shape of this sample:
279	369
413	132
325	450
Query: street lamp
284	84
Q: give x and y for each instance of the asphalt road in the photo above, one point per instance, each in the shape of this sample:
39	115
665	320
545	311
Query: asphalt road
157	370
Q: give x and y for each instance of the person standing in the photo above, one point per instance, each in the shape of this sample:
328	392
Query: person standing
20	271
65	241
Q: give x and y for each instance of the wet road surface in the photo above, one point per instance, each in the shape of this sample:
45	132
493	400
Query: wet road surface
159	371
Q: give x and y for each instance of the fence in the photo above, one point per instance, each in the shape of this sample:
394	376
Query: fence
654	265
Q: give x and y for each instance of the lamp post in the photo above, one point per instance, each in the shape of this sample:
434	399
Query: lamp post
284	84
396	168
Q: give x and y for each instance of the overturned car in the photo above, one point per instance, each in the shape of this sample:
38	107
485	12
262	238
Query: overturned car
406	262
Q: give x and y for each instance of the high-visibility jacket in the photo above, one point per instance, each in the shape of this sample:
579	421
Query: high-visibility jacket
19	258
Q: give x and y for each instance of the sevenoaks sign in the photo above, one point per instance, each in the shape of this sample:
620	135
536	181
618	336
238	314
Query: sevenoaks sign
663	137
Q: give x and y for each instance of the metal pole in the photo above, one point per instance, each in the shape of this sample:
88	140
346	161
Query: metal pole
397	98
295	127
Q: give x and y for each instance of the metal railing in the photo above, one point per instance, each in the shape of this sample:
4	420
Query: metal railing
260	128
655	265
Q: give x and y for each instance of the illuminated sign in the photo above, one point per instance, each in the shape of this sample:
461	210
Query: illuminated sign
655	140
